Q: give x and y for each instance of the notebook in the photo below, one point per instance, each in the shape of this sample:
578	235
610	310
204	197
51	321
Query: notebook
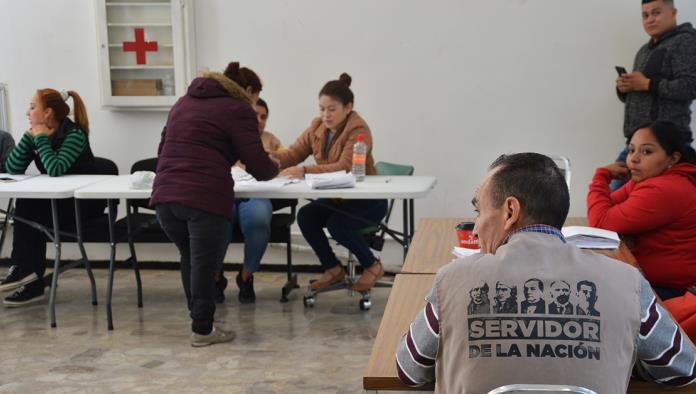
591	237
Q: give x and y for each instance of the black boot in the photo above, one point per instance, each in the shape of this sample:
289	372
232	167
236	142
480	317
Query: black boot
220	287
246	289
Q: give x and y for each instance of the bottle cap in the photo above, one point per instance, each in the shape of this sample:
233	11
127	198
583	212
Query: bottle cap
361	137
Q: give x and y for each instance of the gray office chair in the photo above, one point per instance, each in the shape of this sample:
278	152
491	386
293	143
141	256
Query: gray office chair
374	235
564	164
540	389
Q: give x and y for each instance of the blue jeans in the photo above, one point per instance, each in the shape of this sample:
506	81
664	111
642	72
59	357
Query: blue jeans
254	219
201	239
665	293
313	217
617	183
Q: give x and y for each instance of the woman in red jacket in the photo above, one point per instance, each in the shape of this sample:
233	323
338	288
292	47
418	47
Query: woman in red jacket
657	206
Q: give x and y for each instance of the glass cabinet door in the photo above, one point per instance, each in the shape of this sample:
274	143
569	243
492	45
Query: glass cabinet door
143	45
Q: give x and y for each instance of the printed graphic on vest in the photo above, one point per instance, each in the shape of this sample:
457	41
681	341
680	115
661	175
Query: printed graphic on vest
561	321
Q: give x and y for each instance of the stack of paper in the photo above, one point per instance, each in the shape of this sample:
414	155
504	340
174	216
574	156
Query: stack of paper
591	237
464	252
240	176
330	180
243	178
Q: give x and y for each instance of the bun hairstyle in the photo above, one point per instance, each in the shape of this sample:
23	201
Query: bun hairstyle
245	77
56	101
673	138
339	89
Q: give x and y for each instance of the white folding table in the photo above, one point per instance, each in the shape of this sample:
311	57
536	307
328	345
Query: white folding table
53	188
405	188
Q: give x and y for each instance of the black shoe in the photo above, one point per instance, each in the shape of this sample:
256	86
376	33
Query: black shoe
26	295
246	289
220	287
16	277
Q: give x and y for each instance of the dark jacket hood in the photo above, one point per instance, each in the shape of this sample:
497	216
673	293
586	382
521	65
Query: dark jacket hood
213	84
684	28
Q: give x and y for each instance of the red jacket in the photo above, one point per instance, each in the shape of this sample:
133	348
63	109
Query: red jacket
660	213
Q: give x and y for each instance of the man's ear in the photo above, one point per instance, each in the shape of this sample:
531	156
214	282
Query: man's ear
513	212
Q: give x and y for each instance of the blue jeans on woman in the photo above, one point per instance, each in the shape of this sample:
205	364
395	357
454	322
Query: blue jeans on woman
315	216
254	218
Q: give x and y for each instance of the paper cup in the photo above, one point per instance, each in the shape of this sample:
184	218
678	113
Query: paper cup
465	234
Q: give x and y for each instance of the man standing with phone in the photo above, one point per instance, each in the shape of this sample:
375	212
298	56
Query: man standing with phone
663	82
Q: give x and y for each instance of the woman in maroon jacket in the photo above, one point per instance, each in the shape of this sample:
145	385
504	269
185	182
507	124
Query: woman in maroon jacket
657	205
207	131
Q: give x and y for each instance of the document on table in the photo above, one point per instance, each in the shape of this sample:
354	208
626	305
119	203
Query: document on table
243	178
5	178
330	180
591	238
464	252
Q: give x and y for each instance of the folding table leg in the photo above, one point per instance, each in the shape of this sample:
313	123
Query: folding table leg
56	263
6	223
112	262
80	244
134	258
412	220
407	239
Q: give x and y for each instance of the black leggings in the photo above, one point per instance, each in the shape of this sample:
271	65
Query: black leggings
202	240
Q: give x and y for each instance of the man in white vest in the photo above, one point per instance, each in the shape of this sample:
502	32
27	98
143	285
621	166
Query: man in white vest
618	325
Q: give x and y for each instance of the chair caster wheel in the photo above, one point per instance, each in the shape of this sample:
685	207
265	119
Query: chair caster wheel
365	304
308	301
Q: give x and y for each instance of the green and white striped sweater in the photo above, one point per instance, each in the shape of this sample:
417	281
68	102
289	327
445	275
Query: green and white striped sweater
57	162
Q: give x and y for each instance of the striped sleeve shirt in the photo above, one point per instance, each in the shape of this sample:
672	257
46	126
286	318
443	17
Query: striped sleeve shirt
57	162
21	156
664	354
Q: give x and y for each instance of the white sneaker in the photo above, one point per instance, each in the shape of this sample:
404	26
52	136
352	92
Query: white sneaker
216	336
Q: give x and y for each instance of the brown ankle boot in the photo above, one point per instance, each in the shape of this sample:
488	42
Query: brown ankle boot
369	277
330	276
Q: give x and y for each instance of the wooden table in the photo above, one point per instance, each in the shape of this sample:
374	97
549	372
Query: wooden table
432	245
431	249
406	299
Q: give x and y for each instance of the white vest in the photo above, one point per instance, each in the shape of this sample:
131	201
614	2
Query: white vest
581	330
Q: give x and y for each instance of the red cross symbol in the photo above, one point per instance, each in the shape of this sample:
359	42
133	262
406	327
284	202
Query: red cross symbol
140	46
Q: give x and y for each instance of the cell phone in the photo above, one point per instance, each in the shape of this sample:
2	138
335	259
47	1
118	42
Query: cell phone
621	70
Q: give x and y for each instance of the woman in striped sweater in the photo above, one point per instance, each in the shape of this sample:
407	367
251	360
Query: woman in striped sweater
57	146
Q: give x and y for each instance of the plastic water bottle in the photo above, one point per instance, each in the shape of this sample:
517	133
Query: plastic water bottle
359	157
168	85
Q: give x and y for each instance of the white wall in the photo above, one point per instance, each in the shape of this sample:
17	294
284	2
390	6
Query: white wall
447	85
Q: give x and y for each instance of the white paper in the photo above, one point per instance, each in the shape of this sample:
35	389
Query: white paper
5	177
243	178
142	180
591	238
330	180
464	252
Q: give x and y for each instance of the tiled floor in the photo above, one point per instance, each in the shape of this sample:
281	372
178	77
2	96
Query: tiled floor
280	348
